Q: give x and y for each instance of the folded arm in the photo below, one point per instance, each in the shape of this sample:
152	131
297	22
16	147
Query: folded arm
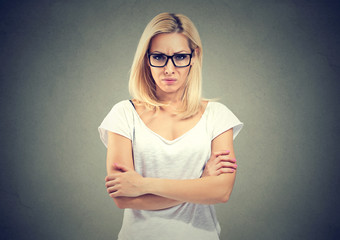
205	190
119	150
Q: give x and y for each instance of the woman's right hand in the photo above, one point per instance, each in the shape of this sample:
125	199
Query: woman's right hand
219	162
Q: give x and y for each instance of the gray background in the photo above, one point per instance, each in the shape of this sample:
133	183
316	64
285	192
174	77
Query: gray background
275	64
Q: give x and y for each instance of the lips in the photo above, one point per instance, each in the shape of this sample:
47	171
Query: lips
169	80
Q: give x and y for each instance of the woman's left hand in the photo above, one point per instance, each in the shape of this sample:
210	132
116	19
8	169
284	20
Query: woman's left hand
127	183
220	162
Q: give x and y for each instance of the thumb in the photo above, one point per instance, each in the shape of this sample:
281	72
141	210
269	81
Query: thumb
121	167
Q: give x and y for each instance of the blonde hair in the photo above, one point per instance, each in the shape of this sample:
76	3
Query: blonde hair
141	84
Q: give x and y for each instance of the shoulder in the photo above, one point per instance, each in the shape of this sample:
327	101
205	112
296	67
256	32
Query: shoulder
221	119
122	104
218	112
122	109
119	120
216	107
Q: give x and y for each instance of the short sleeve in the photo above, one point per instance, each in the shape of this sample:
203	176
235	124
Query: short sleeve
222	119
119	120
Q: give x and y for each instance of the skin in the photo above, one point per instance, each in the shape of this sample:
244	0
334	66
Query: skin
170	44
128	188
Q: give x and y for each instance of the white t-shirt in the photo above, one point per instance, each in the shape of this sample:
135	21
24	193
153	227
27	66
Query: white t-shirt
181	158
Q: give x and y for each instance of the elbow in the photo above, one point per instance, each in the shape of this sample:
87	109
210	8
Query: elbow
119	203
224	198
224	192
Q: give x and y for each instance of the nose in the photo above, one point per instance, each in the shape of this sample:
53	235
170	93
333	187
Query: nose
169	68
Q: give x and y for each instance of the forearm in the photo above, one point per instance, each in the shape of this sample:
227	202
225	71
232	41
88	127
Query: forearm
124	181
146	202
205	190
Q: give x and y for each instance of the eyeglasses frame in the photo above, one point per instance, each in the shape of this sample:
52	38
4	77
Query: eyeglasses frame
171	57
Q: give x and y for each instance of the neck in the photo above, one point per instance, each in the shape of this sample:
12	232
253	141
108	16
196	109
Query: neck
174	99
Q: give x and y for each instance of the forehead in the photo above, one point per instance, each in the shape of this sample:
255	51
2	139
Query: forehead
169	43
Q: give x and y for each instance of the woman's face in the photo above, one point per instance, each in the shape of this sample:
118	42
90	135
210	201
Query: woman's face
170	80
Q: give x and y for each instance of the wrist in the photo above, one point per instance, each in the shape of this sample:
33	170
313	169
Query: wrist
147	185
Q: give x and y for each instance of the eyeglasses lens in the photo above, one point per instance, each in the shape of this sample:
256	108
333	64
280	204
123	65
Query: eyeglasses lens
180	60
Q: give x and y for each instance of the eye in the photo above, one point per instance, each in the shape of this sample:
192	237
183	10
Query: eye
181	57
158	57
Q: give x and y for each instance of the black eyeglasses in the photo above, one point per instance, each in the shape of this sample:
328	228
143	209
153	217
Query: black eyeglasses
178	59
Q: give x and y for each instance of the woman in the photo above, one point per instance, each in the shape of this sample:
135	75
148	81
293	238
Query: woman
170	153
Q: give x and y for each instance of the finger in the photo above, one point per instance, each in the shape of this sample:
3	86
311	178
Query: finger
226	165
227	162
109	178
111	183
112	177
114	195
225	170
121	167
226	158
110	190
113	189
223	152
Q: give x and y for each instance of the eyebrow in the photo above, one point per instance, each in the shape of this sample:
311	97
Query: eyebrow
179	52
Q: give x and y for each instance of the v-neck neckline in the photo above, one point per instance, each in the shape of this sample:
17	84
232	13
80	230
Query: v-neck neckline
162	138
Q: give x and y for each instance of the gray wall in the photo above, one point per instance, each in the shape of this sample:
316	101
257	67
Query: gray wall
65	63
